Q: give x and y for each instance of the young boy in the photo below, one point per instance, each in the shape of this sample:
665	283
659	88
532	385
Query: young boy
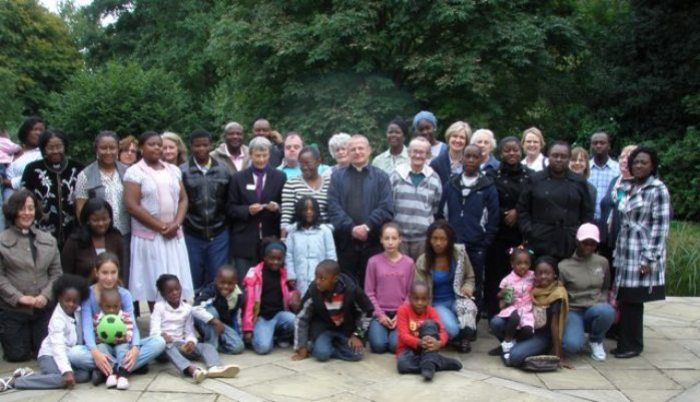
110	303
421	335
216	309
332	316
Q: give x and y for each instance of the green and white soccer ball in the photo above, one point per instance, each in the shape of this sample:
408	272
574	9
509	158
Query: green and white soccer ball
110	328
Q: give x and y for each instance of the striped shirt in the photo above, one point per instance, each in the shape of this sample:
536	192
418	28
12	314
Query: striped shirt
600	178
296	188
415	206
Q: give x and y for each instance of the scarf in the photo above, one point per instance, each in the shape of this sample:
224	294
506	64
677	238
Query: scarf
543	297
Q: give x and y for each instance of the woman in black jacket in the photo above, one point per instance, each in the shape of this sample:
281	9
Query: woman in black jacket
511	178
554	205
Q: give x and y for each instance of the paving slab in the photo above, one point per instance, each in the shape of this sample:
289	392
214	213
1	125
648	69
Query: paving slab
650	395
686	378
640	380
580	378
597	395
691	395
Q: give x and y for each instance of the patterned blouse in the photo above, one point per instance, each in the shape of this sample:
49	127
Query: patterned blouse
114	195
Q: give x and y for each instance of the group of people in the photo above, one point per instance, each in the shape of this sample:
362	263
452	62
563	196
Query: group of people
262	244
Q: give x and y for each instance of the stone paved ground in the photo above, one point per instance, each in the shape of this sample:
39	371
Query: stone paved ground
669	369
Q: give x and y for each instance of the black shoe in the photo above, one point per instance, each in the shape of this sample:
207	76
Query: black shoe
97	377
428	371
141	370
464	346
450	364
497	351
627	355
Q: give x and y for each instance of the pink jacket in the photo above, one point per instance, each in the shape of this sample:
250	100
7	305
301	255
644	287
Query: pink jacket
253	291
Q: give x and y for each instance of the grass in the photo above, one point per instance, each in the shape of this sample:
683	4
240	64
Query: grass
683	259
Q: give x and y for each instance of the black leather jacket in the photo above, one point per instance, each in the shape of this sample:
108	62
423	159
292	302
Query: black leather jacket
207	195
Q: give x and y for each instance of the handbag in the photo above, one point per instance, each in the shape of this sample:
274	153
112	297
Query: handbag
541	364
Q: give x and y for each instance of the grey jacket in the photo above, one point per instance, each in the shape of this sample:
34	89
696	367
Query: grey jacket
19	274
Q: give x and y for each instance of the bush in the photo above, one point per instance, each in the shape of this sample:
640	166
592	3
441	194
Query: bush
123	98
680	170
683	260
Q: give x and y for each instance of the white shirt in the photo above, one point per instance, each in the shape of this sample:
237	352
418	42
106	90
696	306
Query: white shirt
176	322
64	333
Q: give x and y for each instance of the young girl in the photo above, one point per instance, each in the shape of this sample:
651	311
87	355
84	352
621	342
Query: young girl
103	359
387	284
516	301
308	243
446	268
56	370
267	314
172	319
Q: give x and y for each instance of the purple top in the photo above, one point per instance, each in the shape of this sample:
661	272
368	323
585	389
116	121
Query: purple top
388	283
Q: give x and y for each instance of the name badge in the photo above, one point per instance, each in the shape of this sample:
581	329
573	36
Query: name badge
250	187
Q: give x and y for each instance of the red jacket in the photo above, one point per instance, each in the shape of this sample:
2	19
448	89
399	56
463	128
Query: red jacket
408	324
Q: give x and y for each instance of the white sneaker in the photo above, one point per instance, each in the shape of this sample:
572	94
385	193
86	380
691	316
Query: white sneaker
597	351
7	383
122	383
507	346
199	375
22	371
111	381
228	371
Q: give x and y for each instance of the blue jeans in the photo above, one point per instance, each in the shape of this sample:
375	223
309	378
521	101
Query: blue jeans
448	316
477	257
538	344
151	347
381	339
282	325
206	256
596	320
333	344
228	342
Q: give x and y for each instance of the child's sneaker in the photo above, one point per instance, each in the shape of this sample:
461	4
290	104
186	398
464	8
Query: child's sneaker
111	381
7	383
507	346
22	371
597	351
199	374
228	371
122	383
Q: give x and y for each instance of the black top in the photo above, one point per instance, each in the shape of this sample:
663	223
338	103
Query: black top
271	301
510	183
552	310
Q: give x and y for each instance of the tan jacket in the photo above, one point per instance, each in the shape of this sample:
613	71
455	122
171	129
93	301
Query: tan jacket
221	156
19	274
464	272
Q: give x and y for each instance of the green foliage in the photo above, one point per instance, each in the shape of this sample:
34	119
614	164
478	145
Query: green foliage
683	260
123	98
36	56
680	170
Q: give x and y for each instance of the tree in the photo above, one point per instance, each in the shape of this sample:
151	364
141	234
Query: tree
123	98
36	55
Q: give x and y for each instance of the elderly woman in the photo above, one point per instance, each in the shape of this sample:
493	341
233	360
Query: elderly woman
337	147
52	180
449	163
28	135
533	143
254	198
309	183
128	150
174	149
425	125
486	140
580	164
510	178
610	216
640	255
554	205
29	264
156	199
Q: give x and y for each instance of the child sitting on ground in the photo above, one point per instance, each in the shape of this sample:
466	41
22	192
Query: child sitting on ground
216	309
267	312
172	319
64	327
110	303
332	316
516	301
421	335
